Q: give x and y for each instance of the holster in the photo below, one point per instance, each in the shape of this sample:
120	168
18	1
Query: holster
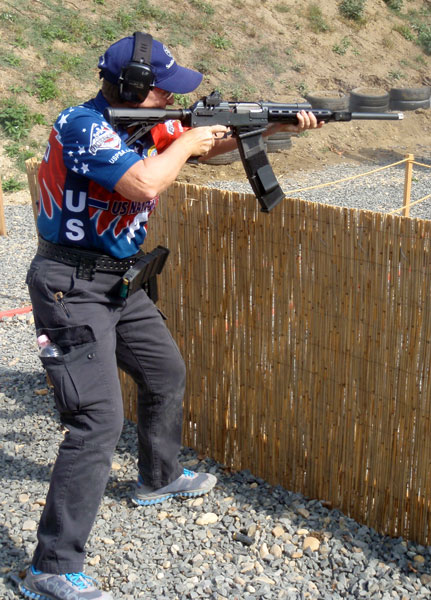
143	274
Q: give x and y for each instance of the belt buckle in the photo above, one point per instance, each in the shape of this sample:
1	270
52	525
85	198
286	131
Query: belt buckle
86	268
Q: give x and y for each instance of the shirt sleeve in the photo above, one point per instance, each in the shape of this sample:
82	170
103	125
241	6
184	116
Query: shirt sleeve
93	149
165	133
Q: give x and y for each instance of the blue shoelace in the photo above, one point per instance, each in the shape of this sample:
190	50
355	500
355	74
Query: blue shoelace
188	473
80	580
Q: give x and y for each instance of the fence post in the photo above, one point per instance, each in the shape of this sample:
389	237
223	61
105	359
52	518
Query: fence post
2	220
32	166
408	184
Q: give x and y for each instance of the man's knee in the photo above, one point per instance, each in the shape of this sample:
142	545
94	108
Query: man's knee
176	373
166	376
172	380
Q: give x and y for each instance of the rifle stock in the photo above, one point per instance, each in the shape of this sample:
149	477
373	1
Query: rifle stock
248	121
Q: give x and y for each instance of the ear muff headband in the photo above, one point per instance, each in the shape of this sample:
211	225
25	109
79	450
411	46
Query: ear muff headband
137	78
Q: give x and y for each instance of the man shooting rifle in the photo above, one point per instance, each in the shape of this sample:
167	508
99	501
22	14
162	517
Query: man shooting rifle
97	195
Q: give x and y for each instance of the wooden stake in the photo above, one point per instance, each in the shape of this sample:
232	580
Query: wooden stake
32	167
408	184
2	220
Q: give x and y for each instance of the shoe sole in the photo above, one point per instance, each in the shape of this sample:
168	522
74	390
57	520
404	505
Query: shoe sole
33	595
158	499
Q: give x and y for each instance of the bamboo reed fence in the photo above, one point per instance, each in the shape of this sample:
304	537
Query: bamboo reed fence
307	339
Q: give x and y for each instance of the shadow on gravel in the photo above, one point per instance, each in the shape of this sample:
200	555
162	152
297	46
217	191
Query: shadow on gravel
13	556
21	469
20	403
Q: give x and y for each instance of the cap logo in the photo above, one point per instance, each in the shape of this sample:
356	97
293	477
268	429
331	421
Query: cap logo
172	61
167	51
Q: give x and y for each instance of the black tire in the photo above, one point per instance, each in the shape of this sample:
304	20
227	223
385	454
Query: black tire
363	108
369	100
410	94
330	100
279	141
223	159
404	105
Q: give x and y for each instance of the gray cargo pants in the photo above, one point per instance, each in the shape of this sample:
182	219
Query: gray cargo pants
96	331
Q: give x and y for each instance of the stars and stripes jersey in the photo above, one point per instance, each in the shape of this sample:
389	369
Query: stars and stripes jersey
83	162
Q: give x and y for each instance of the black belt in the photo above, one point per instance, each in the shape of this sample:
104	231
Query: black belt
87	261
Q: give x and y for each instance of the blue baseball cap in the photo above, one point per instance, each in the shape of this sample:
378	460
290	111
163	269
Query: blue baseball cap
168	75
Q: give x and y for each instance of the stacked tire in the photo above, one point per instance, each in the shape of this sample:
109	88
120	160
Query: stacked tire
279	141
227	158
369	100
328	99
223	159
409	98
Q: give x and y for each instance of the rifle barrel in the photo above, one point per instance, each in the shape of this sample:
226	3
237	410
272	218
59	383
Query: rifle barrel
378	116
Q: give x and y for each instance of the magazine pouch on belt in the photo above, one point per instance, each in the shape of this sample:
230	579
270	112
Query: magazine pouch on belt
143	274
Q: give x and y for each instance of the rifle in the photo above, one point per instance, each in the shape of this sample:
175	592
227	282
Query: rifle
248	120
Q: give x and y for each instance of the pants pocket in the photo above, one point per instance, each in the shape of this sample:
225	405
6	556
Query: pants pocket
31	274
78	376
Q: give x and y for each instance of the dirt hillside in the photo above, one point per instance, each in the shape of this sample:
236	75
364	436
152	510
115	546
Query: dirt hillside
268	50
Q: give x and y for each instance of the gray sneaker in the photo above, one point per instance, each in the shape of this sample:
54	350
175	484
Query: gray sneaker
188	485
70	586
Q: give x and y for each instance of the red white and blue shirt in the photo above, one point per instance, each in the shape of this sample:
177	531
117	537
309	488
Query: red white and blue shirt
84	160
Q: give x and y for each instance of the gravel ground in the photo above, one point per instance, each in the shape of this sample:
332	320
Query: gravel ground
293	548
